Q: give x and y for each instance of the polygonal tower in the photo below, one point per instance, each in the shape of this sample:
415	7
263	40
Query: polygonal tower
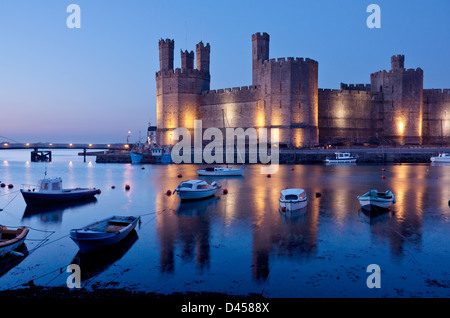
178	92
402	93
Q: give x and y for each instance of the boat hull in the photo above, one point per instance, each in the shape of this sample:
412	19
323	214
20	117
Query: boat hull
375	202
439	159
89	241
196	195
226	173
292	205
340	160
136	158
31	197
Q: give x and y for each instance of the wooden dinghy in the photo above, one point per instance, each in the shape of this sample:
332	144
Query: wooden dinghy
11	239
103	233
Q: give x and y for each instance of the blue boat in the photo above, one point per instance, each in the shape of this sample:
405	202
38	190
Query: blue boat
103	233
49	191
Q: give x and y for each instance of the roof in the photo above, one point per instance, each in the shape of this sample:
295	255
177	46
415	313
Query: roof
292	191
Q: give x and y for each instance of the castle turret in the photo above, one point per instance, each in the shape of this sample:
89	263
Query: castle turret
260	53
402	93
166	48
187	60
203	53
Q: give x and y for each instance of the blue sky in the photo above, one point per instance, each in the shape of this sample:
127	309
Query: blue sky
95	83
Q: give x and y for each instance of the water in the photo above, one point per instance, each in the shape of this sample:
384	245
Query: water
239	243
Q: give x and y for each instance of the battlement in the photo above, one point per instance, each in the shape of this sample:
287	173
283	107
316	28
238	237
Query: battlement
166	42
437	93
233	90
178	72
263	36
355	87
341	92
396	71
290	60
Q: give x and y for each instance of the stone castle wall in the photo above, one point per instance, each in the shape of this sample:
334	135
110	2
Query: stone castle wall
285	96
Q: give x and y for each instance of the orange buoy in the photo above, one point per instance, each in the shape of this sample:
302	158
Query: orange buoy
179	175
99	191
283	209
142	168
268	176
382	169
292	169
383	177
318	194
225	191
2	185
168	192
127	187
10	186
113	187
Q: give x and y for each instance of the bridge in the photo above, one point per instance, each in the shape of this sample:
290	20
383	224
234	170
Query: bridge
42	151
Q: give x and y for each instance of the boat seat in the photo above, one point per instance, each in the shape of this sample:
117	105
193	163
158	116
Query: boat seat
113	228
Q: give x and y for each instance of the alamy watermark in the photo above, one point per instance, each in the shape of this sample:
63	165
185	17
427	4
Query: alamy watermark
213	152
374	19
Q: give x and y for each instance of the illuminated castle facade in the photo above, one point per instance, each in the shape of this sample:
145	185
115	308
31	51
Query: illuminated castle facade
284	94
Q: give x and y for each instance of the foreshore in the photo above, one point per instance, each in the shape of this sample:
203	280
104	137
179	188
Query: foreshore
368	155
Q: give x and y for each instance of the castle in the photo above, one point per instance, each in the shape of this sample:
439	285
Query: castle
393	108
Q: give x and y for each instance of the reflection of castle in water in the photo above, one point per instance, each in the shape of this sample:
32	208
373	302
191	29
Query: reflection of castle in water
294	237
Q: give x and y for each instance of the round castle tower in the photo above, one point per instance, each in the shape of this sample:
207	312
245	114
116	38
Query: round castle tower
178	92
402	92
289	90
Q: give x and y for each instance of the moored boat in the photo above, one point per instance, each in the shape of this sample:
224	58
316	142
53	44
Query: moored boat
11	239
341	157
292	200
103	233
380	199
442	157
221	172
196	189
50	191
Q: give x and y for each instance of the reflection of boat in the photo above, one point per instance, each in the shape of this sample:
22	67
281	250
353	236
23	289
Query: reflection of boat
103	233
193	208
372	214
341	157
381	199
221	172
50	191
93	264
442	157
292	200
196	189
52	213
10	260
11	239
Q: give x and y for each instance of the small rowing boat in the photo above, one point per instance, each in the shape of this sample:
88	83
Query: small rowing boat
103	233
380	199
11	239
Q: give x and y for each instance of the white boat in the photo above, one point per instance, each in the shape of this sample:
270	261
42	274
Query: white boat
341	157
442	157
292	200
221	172
380	199
11	239
196	189
49	191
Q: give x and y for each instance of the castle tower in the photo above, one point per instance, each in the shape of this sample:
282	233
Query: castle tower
402	94
179	91
289	93
260	53
166	48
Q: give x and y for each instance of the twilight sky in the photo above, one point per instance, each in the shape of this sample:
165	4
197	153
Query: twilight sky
95	83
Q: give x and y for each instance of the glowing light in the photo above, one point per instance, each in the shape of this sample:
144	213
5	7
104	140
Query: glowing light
401	128
90	145
109	146
70	145
5	144
27	144
126	146
51	144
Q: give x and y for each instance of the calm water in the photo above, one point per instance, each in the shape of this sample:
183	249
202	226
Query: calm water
239	243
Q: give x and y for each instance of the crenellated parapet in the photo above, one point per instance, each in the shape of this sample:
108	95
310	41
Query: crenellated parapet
231	95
